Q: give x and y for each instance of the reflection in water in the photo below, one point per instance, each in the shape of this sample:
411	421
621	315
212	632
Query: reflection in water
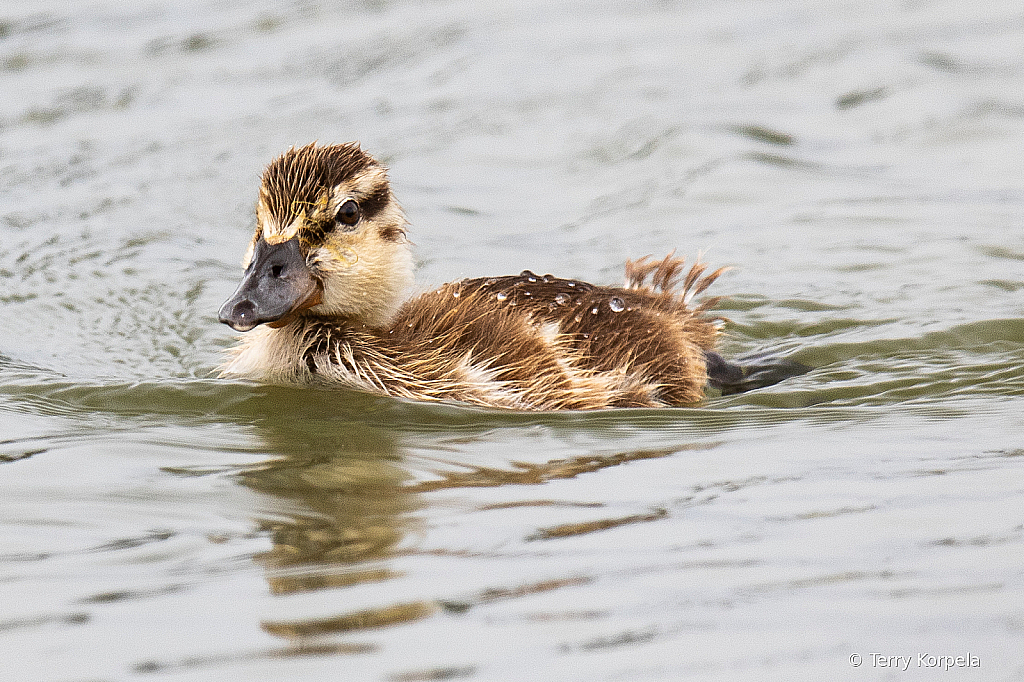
564	530
350	505
527	473
351	502
356	620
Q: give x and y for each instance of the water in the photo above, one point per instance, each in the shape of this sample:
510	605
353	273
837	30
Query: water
857	164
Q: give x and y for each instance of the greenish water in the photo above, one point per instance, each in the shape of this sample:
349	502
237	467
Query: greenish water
857	164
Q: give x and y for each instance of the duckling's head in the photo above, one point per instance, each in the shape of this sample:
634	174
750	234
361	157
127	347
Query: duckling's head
330	240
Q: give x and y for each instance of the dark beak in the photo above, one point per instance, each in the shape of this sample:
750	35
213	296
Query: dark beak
277	286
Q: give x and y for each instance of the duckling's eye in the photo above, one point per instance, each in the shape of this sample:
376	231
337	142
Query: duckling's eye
348	213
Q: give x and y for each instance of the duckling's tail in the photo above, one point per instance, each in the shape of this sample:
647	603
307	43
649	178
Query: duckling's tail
753	371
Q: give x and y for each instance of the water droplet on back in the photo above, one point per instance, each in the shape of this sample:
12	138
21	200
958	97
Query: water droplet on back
617	305
501	296
490	282
548	278
593	311
562	299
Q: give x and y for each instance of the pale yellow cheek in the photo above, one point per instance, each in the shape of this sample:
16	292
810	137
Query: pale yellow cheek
346	250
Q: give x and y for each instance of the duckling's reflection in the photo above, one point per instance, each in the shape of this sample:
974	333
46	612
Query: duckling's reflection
340	508
346	503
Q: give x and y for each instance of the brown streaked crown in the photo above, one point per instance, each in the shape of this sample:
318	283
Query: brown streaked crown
300	181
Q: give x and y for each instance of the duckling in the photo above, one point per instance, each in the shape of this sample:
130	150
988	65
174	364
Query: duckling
322	302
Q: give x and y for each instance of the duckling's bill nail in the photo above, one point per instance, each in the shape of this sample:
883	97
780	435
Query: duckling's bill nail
241	316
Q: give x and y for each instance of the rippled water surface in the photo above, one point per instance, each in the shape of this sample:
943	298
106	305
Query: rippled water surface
858	164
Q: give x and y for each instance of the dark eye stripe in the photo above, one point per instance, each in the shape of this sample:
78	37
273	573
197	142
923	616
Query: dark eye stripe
375	201
367	208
